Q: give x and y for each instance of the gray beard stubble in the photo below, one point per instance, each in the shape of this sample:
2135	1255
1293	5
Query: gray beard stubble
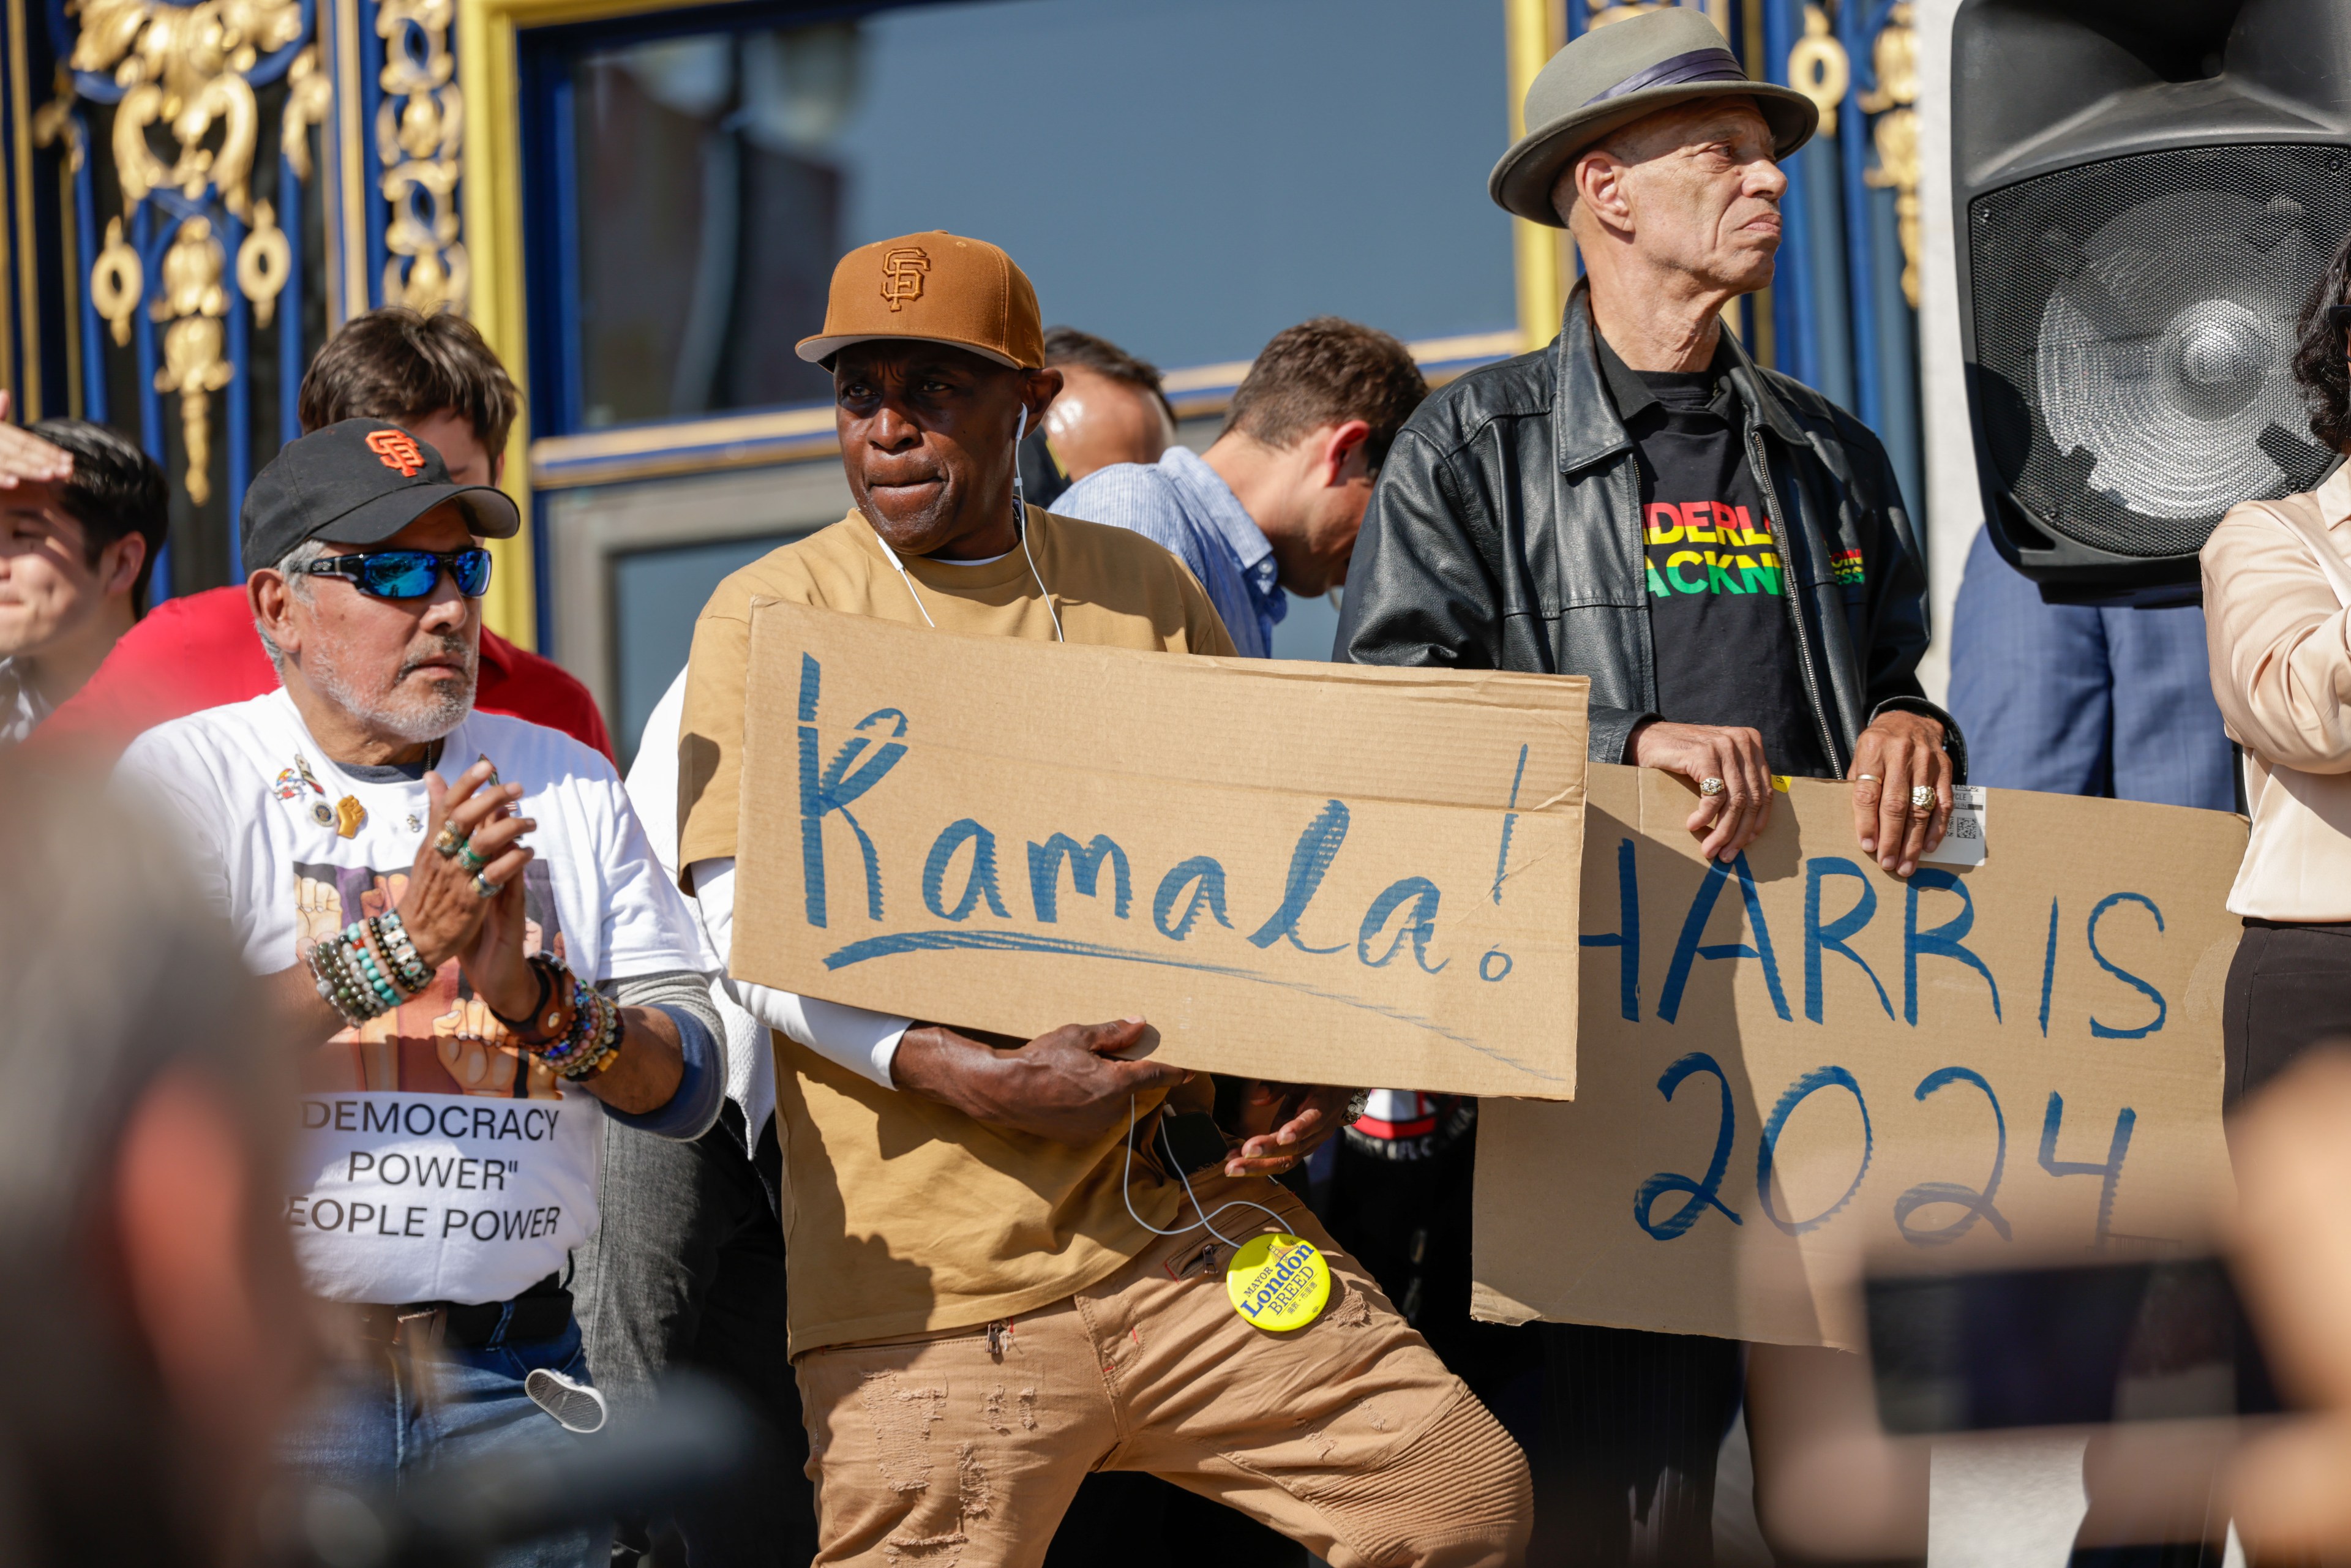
419	719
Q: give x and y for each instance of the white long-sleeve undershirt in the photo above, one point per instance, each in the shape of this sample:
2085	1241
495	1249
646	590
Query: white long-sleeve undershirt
863	1041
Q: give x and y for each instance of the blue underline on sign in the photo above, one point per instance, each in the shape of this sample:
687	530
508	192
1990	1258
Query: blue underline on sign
1015	942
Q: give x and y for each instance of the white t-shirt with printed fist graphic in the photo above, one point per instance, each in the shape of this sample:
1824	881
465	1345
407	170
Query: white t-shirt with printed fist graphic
434	1163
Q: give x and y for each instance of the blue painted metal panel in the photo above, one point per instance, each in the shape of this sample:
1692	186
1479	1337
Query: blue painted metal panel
238	346
151	401
1822	271
1899	420
369	195
153	225
1793	308
291	362
94	390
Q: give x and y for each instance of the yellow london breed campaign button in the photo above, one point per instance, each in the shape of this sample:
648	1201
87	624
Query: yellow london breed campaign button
1278	1282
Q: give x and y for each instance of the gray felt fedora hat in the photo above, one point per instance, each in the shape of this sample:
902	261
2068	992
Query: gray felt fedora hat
1613	75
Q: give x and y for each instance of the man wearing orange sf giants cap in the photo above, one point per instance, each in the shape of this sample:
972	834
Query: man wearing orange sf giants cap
981	1312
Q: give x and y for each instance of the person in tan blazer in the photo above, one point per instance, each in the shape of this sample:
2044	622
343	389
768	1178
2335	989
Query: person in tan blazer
2277	611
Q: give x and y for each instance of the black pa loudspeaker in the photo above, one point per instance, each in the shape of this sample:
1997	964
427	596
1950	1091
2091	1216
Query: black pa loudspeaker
2146	191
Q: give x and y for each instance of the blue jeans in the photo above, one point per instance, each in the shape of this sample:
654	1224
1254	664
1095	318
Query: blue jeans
377	1424
2076	700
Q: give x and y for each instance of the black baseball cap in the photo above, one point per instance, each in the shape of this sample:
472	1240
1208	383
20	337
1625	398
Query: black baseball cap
359	483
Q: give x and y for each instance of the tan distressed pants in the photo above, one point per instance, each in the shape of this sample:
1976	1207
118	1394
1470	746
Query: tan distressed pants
964	1448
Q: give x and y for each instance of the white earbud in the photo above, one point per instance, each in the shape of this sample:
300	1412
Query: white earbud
1020	523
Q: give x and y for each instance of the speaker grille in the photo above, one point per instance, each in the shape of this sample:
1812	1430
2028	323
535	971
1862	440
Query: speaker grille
2134	336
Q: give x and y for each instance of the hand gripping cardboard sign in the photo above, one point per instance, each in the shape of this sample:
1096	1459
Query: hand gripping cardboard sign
1321	874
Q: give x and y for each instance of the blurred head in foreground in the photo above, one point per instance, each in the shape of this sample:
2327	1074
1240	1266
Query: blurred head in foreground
156	1324
2292	1489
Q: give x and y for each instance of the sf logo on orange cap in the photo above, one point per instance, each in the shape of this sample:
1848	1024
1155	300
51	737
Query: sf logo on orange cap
902	274
397	449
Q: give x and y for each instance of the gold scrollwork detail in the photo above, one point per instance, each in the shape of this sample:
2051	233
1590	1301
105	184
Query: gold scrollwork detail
1895	135
188	121
1818	68
308	97
262	262
54	122
194	301
115	283
184	67
1895	59
419	135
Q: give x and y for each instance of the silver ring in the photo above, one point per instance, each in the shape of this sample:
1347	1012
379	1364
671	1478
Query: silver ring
1866	778
485	887
449	842
1709	787
1922	796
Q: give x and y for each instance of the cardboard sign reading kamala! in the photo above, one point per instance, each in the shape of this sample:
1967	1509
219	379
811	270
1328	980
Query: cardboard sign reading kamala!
1326	874
1796	1060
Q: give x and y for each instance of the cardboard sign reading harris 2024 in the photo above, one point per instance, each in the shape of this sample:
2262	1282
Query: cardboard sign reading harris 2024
1323	873
1798	1060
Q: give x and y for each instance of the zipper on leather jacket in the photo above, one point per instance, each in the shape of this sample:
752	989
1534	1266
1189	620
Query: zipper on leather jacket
1793	592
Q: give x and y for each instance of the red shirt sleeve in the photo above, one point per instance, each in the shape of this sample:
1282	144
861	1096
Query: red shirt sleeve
524	685
185	655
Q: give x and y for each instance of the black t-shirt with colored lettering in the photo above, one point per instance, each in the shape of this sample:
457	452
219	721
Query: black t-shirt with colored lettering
1726	649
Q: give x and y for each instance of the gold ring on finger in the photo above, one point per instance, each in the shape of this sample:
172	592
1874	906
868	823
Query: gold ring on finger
1922	797
485	886
1866	778
449	842
1710	788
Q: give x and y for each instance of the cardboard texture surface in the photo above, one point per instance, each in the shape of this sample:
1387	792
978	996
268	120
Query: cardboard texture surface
1316	872
2018	1056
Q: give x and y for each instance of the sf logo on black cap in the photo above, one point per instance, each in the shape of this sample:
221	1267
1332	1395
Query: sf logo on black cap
397	450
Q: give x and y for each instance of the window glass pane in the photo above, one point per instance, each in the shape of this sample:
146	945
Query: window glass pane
657	595
1185	177
1308	628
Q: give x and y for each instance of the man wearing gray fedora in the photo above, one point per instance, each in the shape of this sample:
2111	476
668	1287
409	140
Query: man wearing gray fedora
1723	551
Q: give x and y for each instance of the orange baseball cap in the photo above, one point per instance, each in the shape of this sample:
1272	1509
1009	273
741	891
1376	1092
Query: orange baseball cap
936	288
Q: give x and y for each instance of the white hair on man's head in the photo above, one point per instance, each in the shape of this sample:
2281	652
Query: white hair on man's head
298	583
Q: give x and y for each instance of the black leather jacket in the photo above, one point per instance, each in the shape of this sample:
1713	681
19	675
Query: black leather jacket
1505	533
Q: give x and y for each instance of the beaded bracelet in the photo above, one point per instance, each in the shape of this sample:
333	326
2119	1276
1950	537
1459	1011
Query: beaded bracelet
409	968
368	968
343	983
601	1048
373	966
353	999
585	1027
353	977
587	1040
335	985
575	1012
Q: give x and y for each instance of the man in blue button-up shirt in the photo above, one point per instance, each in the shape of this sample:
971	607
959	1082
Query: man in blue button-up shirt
1273	507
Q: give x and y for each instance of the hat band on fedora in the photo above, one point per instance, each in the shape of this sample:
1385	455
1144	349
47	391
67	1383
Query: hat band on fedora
1698	65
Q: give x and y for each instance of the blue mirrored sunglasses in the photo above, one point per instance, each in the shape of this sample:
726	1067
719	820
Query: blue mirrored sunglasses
407	574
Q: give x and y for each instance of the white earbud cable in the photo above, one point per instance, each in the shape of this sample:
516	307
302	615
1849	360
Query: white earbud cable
1020	527
1205	1222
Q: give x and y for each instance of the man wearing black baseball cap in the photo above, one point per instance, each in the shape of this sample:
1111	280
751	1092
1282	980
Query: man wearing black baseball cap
1721	549
480	971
